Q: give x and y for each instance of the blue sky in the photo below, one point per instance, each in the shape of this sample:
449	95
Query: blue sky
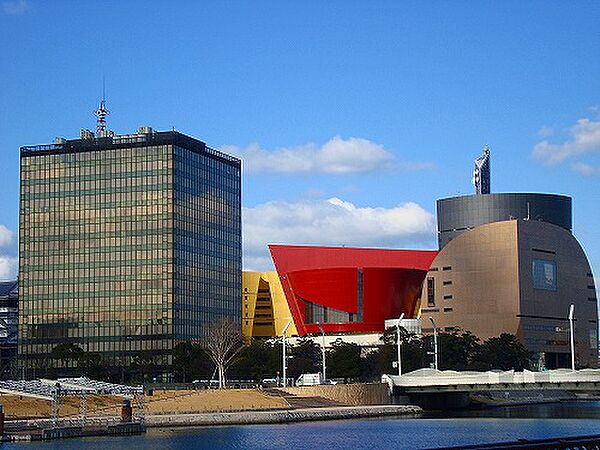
352	117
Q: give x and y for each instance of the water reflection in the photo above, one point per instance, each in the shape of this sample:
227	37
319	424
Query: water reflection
454	429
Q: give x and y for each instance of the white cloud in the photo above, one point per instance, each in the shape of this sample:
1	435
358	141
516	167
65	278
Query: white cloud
337	156
5	236
16	7
8	268
331	222
585	169
545	132
585	138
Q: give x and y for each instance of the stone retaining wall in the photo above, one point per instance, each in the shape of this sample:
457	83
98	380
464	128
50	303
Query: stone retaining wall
267	417
350	394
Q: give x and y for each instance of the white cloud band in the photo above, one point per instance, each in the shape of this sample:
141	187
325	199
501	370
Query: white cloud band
5	236
585	138
331	222
8	268
337	156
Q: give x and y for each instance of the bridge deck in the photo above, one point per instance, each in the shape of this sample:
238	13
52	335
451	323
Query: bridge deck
430	381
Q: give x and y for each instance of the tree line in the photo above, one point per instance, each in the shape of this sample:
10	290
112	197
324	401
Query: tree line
262	358
223	351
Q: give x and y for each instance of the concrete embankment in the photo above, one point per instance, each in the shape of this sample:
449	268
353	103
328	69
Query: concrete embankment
281	416
358	394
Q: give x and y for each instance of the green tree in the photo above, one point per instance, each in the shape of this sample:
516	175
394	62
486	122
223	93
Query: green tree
190	362
91	365
371	367
457	349
261	359
304	357
504	352
412	351
143	365
344	360
69	354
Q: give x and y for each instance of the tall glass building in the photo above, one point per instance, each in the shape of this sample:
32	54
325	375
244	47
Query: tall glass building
128	245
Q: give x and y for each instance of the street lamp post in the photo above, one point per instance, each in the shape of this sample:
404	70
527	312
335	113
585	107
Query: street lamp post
399	344
571	311
283	332
435	344
323	349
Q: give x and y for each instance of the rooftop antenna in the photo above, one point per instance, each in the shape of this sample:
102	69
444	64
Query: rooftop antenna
101	112
481	174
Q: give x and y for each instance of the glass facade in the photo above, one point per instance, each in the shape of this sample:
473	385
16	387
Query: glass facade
207	242
127	245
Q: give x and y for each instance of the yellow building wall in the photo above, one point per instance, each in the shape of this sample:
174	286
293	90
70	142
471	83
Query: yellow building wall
265	310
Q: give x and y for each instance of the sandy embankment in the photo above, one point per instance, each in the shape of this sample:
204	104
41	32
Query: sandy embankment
161	402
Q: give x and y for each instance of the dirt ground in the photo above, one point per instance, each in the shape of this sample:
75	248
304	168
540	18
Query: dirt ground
17	407
211	400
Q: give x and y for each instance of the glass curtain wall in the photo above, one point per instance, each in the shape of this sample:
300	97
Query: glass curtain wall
207	242
95	252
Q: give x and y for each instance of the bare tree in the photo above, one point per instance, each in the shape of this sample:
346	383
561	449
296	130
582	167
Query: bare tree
222	342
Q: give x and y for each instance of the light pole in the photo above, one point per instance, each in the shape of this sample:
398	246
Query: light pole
399	344
571	311
435	344
283	332
323	348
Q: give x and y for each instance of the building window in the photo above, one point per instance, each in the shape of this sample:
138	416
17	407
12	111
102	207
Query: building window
544	274
447	309
448	297
447	268
430	291
447	282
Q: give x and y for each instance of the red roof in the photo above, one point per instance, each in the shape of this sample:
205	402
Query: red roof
291	258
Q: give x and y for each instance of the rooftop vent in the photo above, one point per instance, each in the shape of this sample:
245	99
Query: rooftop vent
145	130
105	133
86	134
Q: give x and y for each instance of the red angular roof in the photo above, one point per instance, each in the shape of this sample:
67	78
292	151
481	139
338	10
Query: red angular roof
291	258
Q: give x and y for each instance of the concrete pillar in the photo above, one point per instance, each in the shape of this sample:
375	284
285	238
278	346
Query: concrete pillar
126	411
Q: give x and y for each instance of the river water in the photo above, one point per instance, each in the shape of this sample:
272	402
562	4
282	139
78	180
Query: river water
453	429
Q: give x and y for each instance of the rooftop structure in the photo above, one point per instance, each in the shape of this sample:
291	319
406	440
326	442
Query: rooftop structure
482	173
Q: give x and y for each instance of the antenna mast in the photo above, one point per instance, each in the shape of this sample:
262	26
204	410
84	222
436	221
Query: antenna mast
481	174
101	113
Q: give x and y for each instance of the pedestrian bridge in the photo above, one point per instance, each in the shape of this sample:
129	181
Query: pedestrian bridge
430	387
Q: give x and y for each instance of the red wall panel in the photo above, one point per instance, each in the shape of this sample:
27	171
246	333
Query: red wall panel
334	288
328	276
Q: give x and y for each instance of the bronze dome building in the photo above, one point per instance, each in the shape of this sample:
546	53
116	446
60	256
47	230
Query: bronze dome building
510	264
